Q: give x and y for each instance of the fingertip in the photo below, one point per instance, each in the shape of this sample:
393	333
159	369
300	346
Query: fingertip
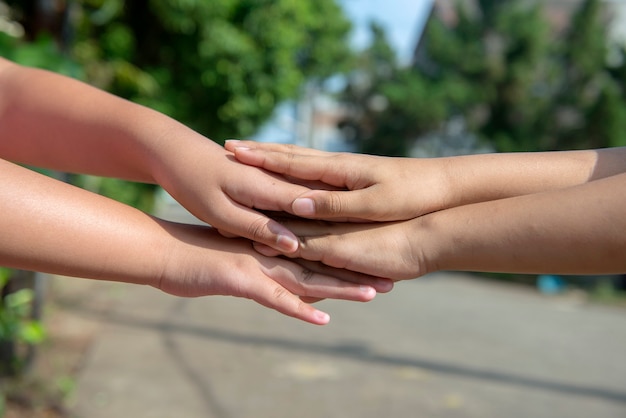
368	293
230	144
284	240
304	206
320	318
287	243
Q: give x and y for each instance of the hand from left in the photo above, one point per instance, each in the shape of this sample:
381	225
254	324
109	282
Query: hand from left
201	262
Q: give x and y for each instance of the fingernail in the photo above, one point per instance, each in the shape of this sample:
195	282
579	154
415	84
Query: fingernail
241	148
368	290
304	206
287	243
322	317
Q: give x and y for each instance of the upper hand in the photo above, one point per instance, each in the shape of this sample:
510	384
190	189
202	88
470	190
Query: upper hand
210	183
374	188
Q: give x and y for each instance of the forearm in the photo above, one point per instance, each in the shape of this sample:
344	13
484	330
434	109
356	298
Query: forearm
480	178
576	230
52	121
53	227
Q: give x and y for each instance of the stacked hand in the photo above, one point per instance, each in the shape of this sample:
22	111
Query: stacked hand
51	227
554	212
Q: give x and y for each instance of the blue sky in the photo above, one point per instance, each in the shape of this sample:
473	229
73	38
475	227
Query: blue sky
403	20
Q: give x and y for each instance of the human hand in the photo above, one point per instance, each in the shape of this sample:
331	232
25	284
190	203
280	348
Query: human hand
228	195
388	249
201	262
374	188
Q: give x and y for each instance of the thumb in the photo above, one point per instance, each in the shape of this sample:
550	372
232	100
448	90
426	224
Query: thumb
335	205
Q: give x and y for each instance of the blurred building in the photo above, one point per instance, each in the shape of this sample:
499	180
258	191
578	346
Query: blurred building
313	121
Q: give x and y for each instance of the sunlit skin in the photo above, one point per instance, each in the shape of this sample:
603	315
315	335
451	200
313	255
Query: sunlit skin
47	120
556	212
55	122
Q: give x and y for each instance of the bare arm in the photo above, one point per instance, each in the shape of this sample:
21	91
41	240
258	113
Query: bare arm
575	230
387	189
53	227
51	121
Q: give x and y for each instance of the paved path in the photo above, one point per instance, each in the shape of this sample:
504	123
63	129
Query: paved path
446	345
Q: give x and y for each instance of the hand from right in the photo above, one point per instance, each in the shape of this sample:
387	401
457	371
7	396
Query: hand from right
389	249
374	188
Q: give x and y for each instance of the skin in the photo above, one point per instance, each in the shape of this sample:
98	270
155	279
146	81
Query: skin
420	186
575	230
53	227
559	212
50	121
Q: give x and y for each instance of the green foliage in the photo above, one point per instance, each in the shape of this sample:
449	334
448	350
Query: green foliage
220	67
15	311
17	328
384	100
41	53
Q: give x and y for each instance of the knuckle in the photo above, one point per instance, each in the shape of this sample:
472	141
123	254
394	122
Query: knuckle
290	162
291	148
280	293
257	229
306	275
333	204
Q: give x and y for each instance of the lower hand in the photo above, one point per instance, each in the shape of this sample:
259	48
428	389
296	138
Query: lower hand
201	262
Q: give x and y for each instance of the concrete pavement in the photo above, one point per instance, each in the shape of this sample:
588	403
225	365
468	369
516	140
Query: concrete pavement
447	345
443	346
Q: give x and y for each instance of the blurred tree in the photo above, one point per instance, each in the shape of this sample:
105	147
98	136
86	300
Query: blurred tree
217	66
220	67
388	104
21	292
493	69
590	92
514	81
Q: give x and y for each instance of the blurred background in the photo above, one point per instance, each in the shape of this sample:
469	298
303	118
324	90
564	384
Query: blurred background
419	78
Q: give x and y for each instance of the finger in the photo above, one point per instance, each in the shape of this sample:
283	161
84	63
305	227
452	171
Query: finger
231	144
380	285
272	295
226	234
304	281
358	203
265	250
327	169
259	228
341	205
351	247
306	299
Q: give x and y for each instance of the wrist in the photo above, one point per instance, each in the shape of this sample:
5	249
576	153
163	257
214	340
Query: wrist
173	149
437	187
424	244
450	191
431	245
